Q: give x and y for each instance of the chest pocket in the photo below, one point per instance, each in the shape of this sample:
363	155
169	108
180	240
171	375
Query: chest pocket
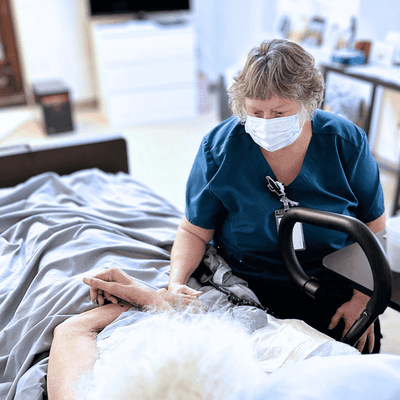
254	230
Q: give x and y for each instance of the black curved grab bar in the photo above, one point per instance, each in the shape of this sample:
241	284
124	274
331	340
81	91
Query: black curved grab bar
361	234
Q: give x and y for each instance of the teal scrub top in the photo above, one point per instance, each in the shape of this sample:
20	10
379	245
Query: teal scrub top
226	191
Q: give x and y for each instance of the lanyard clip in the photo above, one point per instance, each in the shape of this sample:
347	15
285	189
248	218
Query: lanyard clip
279	189
275	186
287	203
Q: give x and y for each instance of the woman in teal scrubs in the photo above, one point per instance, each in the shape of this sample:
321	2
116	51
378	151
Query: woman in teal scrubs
319	160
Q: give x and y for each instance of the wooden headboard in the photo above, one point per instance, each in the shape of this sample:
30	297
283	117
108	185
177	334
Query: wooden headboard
21	162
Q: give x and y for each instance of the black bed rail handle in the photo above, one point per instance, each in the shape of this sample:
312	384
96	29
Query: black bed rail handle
360	233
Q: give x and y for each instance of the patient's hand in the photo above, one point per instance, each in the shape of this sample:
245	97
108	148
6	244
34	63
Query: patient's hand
114	285
112	294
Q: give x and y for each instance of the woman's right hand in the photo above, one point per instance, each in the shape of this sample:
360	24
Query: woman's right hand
184	291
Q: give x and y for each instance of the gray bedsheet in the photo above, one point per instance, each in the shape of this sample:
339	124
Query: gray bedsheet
55	230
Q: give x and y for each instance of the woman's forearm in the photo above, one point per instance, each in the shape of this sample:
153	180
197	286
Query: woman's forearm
377	225
185	257
74	352
187	252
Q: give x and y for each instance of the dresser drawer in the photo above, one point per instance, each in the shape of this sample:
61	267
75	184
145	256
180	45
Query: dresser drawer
168	45
144	75
152	106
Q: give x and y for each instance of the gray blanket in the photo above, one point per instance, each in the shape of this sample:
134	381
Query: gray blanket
55	230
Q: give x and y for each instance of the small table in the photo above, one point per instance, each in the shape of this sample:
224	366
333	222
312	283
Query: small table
352	264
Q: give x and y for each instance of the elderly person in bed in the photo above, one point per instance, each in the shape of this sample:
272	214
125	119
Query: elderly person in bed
165	356
279	146
193	356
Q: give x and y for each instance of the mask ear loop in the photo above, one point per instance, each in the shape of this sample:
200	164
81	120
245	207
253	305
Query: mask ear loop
302	115
302	126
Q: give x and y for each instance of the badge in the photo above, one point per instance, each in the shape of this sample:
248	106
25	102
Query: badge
298	234
279	189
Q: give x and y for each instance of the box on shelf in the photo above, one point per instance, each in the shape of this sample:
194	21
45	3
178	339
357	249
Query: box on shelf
53	96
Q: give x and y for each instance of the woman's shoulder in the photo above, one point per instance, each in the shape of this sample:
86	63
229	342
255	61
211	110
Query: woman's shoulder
328	124
227	133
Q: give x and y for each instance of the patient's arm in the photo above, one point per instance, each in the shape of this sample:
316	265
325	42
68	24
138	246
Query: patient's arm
74	352
114	284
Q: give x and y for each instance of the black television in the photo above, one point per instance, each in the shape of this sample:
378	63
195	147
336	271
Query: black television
114	7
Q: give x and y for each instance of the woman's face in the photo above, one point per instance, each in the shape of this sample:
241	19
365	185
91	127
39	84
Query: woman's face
273	107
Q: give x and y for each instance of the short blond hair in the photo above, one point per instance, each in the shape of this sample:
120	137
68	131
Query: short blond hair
282	68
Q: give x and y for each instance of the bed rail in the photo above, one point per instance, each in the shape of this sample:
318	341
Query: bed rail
21	162
361	234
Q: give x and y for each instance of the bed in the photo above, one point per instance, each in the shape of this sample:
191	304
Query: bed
72	209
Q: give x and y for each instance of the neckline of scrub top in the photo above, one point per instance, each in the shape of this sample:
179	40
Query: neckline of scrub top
306	171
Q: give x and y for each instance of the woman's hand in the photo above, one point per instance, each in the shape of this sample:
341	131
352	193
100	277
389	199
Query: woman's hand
349	312
114	284
184	291
180	302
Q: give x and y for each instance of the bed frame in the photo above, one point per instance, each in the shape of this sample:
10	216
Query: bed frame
21	162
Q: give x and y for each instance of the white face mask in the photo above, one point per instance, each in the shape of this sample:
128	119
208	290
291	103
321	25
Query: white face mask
274	134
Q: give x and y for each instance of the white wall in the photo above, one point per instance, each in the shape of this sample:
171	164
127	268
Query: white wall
53	35
53	44
227	29
378	17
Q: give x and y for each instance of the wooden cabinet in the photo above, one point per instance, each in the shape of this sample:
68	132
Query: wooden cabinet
146	72
11	87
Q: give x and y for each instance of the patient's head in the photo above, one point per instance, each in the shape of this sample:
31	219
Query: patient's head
179	357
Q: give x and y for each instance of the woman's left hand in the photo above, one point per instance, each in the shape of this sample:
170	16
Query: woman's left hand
349	312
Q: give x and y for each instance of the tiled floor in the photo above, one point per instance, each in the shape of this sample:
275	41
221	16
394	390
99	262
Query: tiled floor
161	155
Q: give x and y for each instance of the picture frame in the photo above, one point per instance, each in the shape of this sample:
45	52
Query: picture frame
382	53
349	97
386	146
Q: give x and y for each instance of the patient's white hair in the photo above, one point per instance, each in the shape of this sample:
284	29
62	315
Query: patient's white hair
179	357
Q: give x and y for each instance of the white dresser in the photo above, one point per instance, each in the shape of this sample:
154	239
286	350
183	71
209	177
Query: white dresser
146	72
